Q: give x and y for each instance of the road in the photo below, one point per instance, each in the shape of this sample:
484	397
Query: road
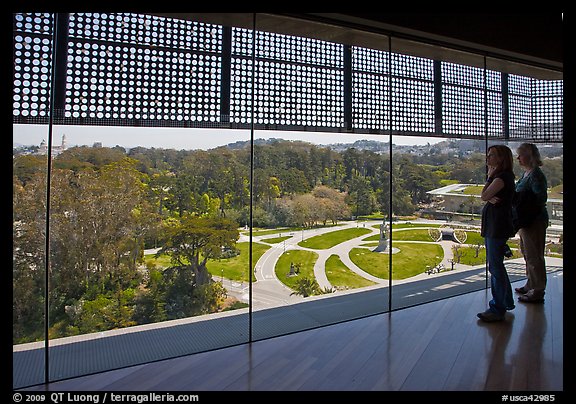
269	291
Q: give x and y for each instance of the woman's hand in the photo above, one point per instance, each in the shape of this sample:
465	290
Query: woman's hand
491	170
494	200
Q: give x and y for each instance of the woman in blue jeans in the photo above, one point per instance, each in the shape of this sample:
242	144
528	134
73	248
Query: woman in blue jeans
497	228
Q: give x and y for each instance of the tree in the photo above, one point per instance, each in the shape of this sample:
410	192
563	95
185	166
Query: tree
192	241
306	287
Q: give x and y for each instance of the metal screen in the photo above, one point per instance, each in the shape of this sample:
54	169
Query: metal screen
140	70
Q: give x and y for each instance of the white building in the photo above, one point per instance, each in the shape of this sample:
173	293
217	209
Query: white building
56	150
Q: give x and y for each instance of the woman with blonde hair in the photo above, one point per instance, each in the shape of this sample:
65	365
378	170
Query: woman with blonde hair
497	228
532	230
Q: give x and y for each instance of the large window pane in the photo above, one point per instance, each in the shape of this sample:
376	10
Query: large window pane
29	184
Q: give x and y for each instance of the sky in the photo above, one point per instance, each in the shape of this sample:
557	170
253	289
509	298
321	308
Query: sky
183	138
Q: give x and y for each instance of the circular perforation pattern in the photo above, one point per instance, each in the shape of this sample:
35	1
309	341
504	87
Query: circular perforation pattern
548	109
370	101
369	60
520	116
144	29
463	112
128	82
519	85
241	91
32	65
462	75
298	50
412	67
412	105
520	106
495	120
288	94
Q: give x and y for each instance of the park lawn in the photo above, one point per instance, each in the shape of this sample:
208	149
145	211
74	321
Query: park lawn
407	225
278	230
341	277
474	237
275	240
306	259
405	235
468	256
411	260
163	261
329	240
236	268
413	224
473	190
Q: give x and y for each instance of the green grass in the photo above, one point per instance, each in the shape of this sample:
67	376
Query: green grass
265	232
405	235
329	240
162	261
236	268
408	225
468	256
341	277
474	237
306	259
411	260
473	190
275	240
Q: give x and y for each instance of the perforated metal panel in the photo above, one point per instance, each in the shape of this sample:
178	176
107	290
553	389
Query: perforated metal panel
126	67
143	70
548	107
412	95
520	107
463	100
370	89
32	63
298	81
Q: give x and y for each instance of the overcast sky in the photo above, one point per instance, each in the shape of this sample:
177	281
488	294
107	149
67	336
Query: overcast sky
179	138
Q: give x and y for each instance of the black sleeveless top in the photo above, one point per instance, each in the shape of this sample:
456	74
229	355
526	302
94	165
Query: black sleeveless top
497	219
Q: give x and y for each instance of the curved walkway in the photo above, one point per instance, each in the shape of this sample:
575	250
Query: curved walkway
269	291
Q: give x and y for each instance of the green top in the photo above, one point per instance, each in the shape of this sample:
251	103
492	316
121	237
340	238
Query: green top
535	180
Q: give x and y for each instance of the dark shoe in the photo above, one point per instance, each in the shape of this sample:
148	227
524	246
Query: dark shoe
528	298
490	317
521	290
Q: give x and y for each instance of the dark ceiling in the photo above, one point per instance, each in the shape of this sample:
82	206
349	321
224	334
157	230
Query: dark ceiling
529	44
536	37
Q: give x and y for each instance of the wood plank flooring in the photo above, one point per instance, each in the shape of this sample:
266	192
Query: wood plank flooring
438	346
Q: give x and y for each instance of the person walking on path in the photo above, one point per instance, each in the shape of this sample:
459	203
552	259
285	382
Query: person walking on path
533	233
497	228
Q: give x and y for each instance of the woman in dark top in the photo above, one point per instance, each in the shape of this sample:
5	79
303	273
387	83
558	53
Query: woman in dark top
497	227
533	235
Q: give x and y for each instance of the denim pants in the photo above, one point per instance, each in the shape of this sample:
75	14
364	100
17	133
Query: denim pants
502	298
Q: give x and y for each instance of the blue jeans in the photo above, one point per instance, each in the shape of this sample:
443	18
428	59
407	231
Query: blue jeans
502	297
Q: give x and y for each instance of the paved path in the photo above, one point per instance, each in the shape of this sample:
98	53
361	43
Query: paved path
269	291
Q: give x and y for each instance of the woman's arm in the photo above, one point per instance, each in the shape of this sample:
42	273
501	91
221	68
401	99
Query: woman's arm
491	188
539	186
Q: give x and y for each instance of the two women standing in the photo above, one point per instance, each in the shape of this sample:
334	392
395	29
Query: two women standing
497	227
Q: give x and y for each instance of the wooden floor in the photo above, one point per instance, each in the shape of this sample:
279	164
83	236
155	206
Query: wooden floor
438	346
